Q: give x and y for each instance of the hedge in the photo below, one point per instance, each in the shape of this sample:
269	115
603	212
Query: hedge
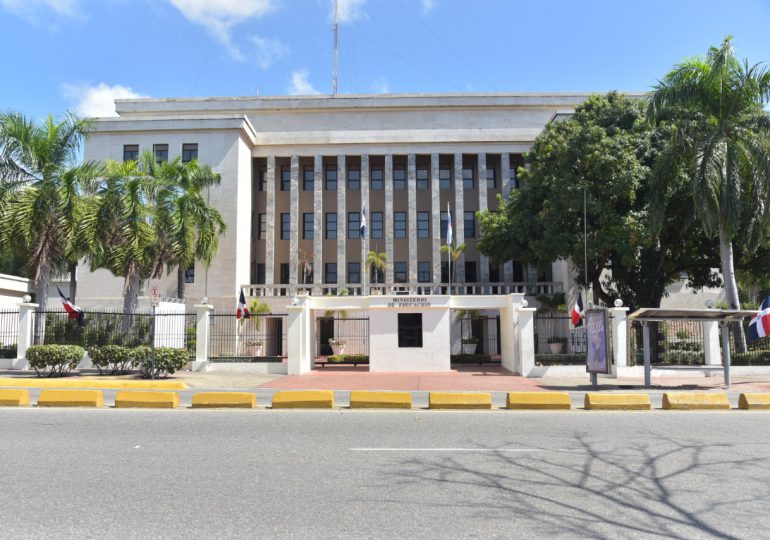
8	351
116	358
470	359
167	361
54	360
348	359
560	359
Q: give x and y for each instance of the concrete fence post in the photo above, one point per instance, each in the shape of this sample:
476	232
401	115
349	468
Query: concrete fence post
711	343
24	338
619	336
202	336
526	341
299	338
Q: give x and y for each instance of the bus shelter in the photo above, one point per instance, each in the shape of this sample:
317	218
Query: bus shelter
722	317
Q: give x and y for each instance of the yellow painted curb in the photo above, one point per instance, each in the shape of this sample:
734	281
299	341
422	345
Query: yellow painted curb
538	400
458	400
695	401
303	399
224	400
108	384
127	399
380	400
617	402
754	401
70	398
14	398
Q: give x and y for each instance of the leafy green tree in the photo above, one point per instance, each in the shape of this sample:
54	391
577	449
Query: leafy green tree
607	149
41	188
455	252
722	143
377	261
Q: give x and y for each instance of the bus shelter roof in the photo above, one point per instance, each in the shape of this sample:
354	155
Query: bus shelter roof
687	314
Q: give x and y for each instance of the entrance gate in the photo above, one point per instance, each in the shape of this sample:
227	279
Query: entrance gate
352	332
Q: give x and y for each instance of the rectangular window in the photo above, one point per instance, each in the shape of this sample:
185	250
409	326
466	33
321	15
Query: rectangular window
354	225
354	272
467	178
284	273
260	273
409	330
262	227
423	272
160	151
518	272
444	220
377	276
445	178
130	152
308	178
494	273
285	226
470	225
261	177
354	178
376	178
330	273
399	272
331	178
514	178
307	226
423	225
470	272
491	178
423	181
331	225
377	226
399	178
399	224
189	152
444	272
285	178
189	274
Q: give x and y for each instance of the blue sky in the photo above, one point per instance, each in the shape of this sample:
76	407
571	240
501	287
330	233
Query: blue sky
60	54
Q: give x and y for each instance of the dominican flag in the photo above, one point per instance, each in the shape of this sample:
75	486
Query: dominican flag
74	313
448	225
760	325
363	221
578	312
242	310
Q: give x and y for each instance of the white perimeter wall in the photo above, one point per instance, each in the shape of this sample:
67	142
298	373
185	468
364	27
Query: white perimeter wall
385	354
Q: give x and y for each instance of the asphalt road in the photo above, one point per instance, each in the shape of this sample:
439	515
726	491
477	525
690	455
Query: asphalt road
347	474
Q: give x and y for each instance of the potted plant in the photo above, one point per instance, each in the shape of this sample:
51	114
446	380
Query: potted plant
469	344
338	345
556	344
254	347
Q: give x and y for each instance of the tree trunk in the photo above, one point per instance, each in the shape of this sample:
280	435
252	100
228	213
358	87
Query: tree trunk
180	282
73	281
731	287
41	299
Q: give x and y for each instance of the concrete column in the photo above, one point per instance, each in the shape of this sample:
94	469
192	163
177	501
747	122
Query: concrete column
619	337
481	172
202	337
365	203
411	186
458	223
526	336
270	222
435	216
342	220
711	344
24	338
507	332
318	232
505	184
294	223
389	219
300	355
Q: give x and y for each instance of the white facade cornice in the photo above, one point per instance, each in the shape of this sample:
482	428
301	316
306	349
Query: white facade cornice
178	124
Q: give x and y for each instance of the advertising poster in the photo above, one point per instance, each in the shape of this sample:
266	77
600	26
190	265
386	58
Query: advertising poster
597	335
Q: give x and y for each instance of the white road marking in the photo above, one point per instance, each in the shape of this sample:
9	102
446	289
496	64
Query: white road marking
451	450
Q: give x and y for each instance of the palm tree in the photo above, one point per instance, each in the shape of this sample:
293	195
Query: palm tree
455	252
187	226
40	192
377	261
721	142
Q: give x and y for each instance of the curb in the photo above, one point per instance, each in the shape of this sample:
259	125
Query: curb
224	400
14	397
695	401
538	401
126	399
70	398
362	399
459	400
106	384
303	399
617	402
753	401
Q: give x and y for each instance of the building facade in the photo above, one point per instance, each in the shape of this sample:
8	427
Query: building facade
300	174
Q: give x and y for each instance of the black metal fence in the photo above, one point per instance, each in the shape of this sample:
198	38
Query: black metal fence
480	335
259	338
557	341
9	332
348	335
672	343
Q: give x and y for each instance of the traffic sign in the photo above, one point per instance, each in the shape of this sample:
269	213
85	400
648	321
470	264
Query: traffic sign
155	296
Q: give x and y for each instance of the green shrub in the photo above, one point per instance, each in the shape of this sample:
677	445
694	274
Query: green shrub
754	358
348	359
685	346
470	358
167	361
54	360
116	358
682	358
560	359
8	351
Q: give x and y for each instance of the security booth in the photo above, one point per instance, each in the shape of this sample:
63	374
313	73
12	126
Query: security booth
711	320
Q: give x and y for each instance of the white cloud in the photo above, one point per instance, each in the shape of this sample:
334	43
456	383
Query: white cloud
428	5
268	50
349	10
381	86
220	16
99	100
31	9
300	86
